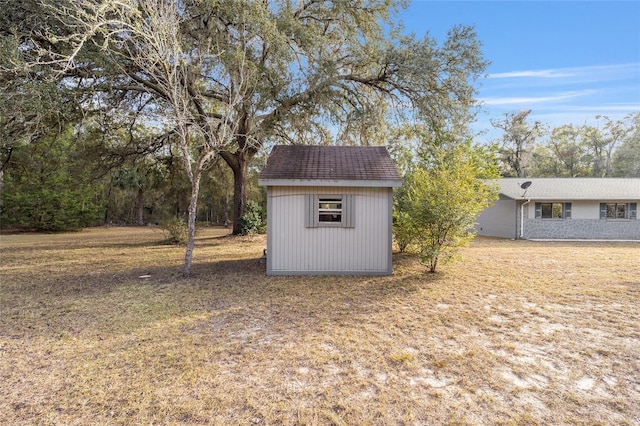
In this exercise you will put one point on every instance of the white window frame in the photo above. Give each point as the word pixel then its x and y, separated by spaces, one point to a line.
pixel 326 210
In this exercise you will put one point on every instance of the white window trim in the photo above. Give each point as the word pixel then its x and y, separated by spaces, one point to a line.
pixel 330 211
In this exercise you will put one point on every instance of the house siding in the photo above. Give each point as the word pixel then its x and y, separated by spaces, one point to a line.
pixel 503 220
pixel 583 224
pixel 579 209
pixel 499 220
pixel 596 229
pixel 293 248
pixel 584 209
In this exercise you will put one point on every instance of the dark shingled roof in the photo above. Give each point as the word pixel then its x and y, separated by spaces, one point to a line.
pixel 330 163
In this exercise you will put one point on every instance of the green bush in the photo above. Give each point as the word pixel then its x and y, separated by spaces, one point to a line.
pixel 252 222
pixel 177 230
pixel 403 230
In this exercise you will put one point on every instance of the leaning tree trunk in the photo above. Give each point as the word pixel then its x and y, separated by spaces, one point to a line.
pixel 191 222
pixel 239 194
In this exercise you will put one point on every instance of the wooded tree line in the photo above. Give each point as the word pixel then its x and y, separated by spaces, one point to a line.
pixel 532 149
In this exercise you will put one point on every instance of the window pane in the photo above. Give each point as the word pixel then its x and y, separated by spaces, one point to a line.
pixel 330 210
pixel 330 217
pixel 546 210
pixel 330 205
pixel 616 211
pixel 557 211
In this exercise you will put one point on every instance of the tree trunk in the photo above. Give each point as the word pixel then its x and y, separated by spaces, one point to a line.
pixel 140 206
pixel 1 187
pixel 239 163
pixel 239 194
pixel 191 222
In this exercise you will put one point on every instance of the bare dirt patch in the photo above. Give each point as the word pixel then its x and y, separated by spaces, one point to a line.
pixel 516 333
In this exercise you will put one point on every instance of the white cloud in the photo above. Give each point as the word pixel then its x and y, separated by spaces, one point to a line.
pixel 559 96
pixel 515 100
pixel 615 71
pixel 532 73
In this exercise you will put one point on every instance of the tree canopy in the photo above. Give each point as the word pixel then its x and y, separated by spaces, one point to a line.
pixel 257 71
pixel 225 78
pixel 534 149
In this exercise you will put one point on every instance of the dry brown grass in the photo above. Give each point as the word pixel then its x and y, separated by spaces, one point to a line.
pixel 516 333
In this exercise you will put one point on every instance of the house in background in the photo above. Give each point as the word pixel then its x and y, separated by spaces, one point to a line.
pixel 329 210
pixel 564 208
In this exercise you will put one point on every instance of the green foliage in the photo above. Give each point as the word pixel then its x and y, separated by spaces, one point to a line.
pixel 622 146
pixel 177 230
pixel 626 161
pixel 518 142
pixel 609 149
pixel 289 82
pixel 403 231
pixel 52 207
pixel 252 222
pixel 44 188
pixel 440 200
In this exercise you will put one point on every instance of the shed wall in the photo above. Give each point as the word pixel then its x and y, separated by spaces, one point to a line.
pixel 293 248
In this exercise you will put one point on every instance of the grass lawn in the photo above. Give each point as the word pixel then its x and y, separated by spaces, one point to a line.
pixel 516 333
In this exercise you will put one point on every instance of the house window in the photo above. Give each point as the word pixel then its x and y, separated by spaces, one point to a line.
pixel 553 211
pixel 330 210
pixel 618 211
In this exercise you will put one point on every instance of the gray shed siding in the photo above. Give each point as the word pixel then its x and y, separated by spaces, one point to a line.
pixel 293 248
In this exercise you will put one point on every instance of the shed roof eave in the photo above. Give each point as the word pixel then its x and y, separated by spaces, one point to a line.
pixel 389 183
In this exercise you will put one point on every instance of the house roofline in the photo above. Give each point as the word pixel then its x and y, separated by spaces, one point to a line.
pixel 569 198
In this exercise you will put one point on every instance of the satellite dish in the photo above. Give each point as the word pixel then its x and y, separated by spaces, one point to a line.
pixel 525 185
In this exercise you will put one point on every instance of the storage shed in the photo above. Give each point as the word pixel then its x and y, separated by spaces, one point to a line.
pixel 329 210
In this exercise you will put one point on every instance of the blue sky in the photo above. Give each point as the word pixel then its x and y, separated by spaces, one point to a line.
pixel 568 61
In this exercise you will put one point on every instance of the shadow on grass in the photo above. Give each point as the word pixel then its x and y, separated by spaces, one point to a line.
pixel 235 293
pixel 84 245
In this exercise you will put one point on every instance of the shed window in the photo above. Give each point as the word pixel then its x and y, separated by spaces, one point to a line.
pixel 330 210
